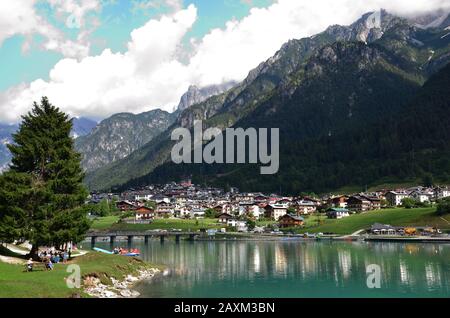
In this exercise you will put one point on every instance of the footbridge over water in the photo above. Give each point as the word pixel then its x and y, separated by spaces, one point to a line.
pixel 130 235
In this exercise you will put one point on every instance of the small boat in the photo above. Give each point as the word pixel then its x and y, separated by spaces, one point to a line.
pixel 131 254
pixel 102 251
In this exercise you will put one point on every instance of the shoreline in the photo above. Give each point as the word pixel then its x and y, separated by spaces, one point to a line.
pixel 93 287
pixel 443 240
pixel 232 237
pixel 100 276
pixel 338 238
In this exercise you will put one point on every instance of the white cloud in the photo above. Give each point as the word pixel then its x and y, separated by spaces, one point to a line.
pixel 150 73
pixel 228 54
pixel 16 17
pixel 21 17
pixel 101 85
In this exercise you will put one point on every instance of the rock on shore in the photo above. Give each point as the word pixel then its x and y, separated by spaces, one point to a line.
pixel 119 289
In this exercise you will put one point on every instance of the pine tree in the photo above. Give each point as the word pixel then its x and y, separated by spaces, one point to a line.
pixel 42 195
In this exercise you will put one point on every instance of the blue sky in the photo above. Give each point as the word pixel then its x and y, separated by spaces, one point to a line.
pixel 117 20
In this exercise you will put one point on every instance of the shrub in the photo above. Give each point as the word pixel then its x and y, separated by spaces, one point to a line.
pixel 251 224
pixel 409 203
pixel 210 213
pixel 443 206
pixel 126 215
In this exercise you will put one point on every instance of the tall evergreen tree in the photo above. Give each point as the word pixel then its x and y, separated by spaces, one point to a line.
pixel 42 195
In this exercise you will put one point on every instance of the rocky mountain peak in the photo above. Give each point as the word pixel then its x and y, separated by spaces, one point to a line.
pixel 371 26
pixel 196 95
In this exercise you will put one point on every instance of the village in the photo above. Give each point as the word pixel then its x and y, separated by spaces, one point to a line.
pixel 242 212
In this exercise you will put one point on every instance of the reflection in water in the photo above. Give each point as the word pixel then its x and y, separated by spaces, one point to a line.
pixel 256 260
pixel 404 276
pixel 433 275
pixel 345 260
pixel 296 269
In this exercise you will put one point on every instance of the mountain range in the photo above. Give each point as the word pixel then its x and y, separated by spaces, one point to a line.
pixel 336 83
pixel 342 99
pixel 121 134
pixel 118 136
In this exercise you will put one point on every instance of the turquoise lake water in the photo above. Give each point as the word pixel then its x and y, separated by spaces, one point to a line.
pixel 295 269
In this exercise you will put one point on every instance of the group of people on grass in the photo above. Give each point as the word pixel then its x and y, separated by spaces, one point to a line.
pixel 122 251
pixel 50 257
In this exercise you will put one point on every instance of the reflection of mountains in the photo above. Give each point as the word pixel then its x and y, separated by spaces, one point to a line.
pixel 402 265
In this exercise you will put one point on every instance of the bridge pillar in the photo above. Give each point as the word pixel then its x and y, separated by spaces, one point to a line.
pixel 177 238
pixel 130 240
pixel 93 240
pixel 161 238
pixel 146 239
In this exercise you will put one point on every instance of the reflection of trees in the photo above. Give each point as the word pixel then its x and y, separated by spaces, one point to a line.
pixel 433 275
pixel 335 264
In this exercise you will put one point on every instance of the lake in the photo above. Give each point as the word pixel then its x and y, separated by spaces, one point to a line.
pixel 214 269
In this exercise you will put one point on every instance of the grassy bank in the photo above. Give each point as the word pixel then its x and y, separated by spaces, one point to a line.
pixel 104 223
pixel 168 224
pixel 16 283
pixel 396 217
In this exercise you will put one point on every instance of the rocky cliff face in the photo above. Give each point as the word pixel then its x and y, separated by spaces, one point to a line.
pixel 196 95
pixel 118 136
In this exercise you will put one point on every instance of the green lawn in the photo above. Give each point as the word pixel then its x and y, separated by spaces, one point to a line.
pixel 168 224
pixel 396 217
pixel 15 283
pixel 110 223
pixel 265 223
pixel 104 223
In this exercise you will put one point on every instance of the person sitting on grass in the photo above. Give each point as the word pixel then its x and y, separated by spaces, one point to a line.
pixel 49 265
pixel 30 265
